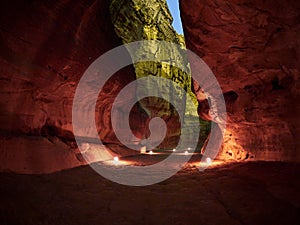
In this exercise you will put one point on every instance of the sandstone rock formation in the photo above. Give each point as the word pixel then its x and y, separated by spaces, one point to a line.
pixel 251 46
pixel 253 49
pixel 45 49
pixel 136 20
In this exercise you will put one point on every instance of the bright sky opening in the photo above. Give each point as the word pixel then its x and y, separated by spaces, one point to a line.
pixel 174 9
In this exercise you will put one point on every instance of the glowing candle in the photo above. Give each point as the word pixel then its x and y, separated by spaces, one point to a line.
pixel 189 148
pixel 186 152
pixel 116 159
pixel 151 152
pixel 174 150
pixel 208 160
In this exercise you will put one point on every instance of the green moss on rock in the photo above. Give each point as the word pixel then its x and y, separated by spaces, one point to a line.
pixel 136 20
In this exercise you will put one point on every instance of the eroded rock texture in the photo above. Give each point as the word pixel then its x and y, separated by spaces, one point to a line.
pixel 136 20
pixel 253 49
pixel 45 47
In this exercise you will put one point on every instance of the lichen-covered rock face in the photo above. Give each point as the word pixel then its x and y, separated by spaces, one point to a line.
pixel 136 20
pixel 45 47
pixel 253 49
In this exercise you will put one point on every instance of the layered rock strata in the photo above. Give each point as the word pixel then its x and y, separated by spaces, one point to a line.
pixel 253 49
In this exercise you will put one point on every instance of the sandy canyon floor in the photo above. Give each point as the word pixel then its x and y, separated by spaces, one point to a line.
pixel 228 194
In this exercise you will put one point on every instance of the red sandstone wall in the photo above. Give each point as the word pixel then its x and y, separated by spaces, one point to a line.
pixel 253 49
pixel 45 46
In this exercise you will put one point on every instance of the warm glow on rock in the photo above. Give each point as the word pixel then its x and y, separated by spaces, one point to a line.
pixel 232 150
pixel 143 150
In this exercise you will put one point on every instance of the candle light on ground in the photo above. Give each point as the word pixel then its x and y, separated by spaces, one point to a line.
pixel 151 152
pixel 174 150
pixel 186 152
pixel 116 159
pixel 208 160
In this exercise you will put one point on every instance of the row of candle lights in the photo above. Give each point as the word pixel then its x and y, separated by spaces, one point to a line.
pixel 208 160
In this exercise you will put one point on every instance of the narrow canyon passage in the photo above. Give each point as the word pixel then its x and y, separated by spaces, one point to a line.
pixel 50 158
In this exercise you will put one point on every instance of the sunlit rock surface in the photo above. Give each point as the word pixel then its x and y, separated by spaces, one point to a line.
pixel 136 20
pixel 253 49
